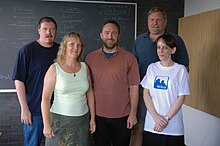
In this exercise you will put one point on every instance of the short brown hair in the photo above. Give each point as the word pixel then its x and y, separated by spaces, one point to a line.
pixel 113 22
pixel 46 19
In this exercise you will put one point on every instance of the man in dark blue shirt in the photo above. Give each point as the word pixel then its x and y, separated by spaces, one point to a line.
pixel 32 62
pixel 145 51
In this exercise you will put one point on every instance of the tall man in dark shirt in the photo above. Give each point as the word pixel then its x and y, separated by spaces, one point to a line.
pixel 32 62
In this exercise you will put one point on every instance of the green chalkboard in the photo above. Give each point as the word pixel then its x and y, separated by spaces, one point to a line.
pixel 19 19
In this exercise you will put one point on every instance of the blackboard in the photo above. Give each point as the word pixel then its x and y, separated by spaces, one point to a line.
pixel 19 19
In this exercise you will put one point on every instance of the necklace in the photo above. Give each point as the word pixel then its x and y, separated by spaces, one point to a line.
pixel 72 68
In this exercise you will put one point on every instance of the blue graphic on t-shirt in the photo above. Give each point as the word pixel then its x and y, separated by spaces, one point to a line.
pixel 161 82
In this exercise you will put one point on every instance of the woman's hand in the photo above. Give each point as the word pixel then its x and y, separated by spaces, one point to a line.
pixel 92 126
pixel 161 123
pixel 48 132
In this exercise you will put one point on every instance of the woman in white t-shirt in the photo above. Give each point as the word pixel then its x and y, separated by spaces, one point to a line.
pixel 166 85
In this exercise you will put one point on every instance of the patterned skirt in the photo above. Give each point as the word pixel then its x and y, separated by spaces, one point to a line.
pixel 69 130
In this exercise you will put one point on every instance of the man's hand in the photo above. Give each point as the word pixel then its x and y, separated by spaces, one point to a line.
pixel 132 120
pixel 26 117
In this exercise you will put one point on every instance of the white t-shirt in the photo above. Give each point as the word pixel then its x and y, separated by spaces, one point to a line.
pixel 165 85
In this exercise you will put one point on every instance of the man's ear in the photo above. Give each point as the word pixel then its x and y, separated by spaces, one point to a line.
pixel 100 34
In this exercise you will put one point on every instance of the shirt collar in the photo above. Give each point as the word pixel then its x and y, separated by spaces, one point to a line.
pixel 100 51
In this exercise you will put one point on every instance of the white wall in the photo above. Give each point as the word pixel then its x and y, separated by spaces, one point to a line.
pixel 198 6
pixel 201 129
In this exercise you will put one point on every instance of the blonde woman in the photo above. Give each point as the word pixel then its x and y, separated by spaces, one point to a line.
pixel 67 121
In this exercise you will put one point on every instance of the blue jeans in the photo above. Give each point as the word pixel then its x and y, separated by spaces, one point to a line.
pixel 33 134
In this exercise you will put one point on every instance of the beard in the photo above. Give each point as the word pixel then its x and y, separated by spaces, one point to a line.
pixel 109 46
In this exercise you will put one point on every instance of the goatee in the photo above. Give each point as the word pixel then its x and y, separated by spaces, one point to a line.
pixel 110 47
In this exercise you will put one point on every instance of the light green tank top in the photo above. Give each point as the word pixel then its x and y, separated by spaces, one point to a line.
pixel 70 92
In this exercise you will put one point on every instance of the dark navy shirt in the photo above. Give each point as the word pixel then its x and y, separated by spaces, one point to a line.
pixel 145 51
pixel 32 63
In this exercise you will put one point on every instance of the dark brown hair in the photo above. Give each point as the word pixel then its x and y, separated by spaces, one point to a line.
pixel 113 22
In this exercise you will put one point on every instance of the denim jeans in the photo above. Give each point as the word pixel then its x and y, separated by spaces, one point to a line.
pixel 33 134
